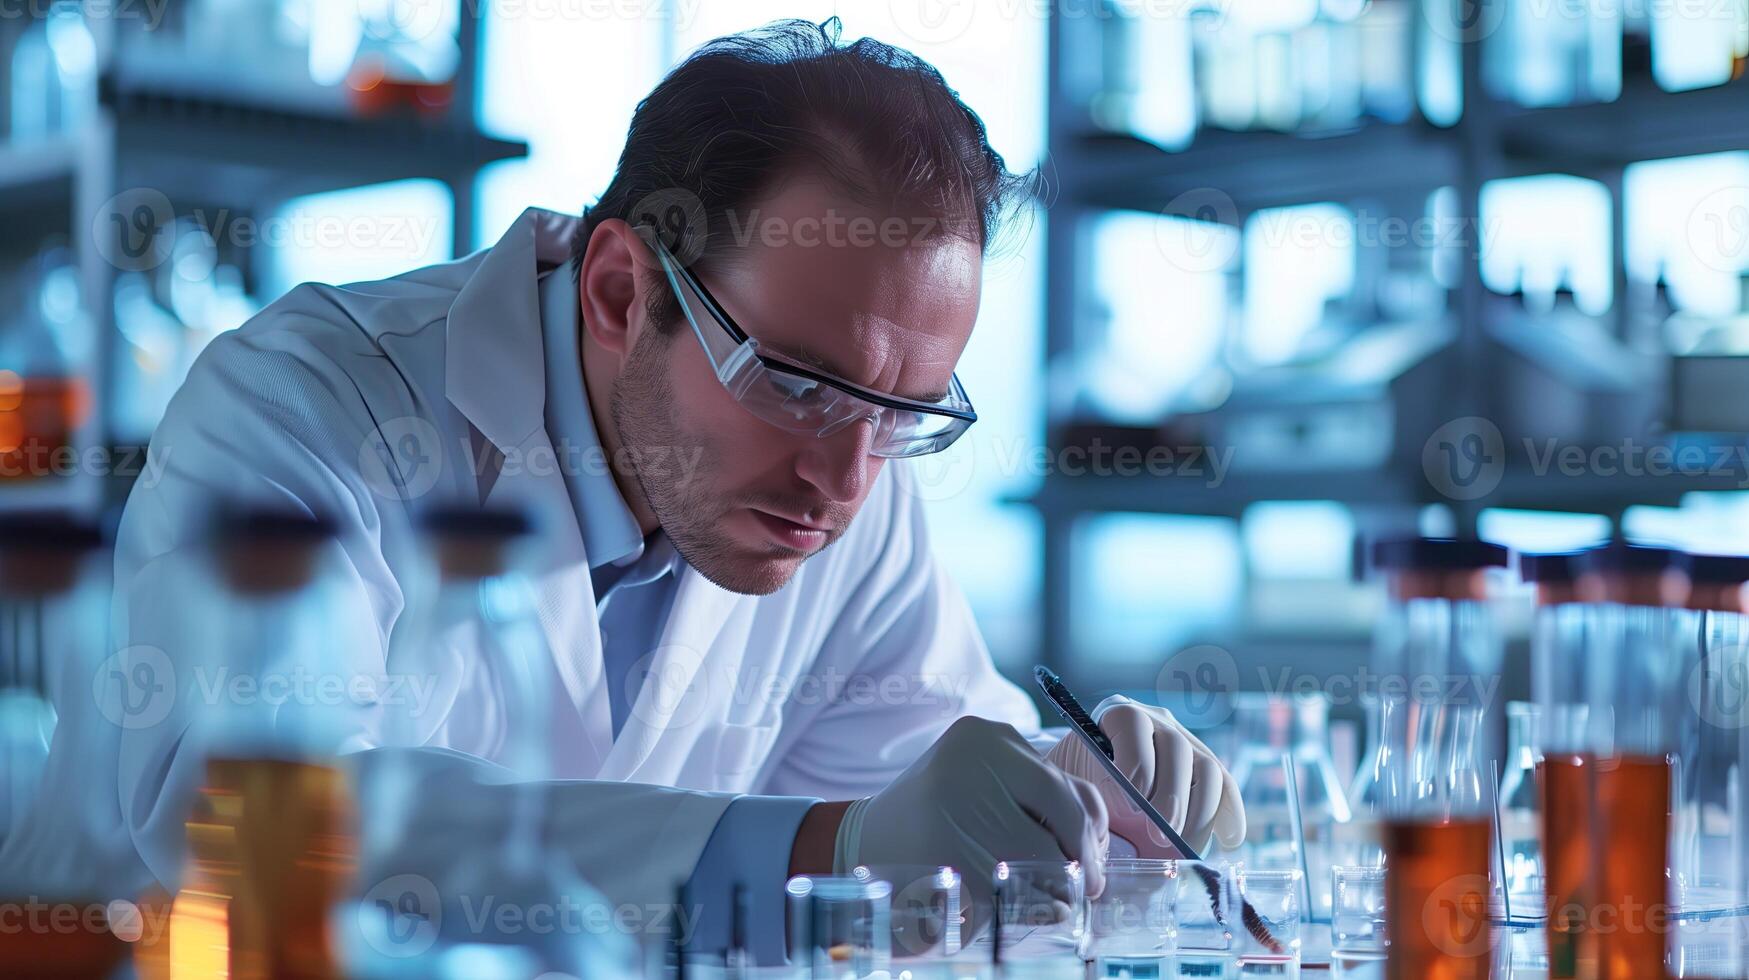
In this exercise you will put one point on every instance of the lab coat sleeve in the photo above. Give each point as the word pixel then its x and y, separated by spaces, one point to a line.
pixel 905 659
pixel 750 848
pixel 267 418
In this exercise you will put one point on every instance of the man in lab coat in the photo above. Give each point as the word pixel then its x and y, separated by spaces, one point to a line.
pixel 706 390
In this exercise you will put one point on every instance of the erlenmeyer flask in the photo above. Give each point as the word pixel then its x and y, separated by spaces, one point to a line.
pixel 1520 811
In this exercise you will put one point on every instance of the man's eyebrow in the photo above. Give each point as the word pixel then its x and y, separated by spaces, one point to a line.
pixel 806 358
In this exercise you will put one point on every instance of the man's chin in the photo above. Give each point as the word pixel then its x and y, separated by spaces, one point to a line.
pixel 751 575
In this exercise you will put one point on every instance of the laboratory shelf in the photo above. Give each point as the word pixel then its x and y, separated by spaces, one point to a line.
pixel 262 153
pixel 1524 489
pixel 33 171
pixel 1646 123
pixel 1256 170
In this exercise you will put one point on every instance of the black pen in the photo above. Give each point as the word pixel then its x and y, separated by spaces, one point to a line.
pixel 1082 724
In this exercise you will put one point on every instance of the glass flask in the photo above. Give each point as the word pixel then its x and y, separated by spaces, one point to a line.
pixel 1711 772
pixel 1521 809
pixel 44 338
pixel 1359 842
pixel 1642 645
pixel 1272 728
pixel 1438 650
pixel 475 623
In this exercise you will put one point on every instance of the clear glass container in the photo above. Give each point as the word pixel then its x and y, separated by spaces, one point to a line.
pixel 1710 774
pixel 1439 651
pixel 1361 840
pixel 933 919
pixel 1357 920
pixel 1276 896
pixel 1272 728
pixel 1205 920
pixel 1040 912
pixel 1131 921
pixel 839 926
pixel 1521 809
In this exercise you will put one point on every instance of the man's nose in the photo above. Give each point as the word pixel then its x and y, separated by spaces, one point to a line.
pixel 837 465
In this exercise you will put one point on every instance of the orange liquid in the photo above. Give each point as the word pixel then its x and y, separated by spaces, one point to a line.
pixel 38 417
pixel 1437 894
pixel 1564 782
pixel 1632 917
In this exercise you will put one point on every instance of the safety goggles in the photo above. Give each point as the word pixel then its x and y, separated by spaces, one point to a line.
pixel 797 399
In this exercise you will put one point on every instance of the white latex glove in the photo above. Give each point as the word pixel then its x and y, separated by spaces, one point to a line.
pixel 1172 768
pixel 979 795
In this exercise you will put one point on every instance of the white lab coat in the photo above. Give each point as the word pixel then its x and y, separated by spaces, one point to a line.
pixel 294 409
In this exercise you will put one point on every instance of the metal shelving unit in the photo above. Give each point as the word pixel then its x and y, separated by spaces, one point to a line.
pixel 215 147
pixel 1385 166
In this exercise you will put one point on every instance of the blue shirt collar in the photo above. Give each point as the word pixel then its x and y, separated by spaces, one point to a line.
pixel 610 531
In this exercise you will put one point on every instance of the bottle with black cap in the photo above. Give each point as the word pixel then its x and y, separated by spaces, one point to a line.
pixel 271 836
pixel 472 630
pixel 53 608
pixel 1641 643
pixel 48 616
pixel 1559 659
pixel 1710 784
pixel 1439 652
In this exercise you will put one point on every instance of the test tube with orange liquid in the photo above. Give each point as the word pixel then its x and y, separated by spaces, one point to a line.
pixel 1438 646
pixel 1641 644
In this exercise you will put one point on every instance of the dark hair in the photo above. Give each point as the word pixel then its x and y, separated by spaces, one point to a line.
pixel 746 109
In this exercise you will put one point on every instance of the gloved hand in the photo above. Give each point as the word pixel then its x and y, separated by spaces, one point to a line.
pixel 979 795
pixel 1172 768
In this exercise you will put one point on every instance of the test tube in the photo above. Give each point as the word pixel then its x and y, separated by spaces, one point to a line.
pixel 1639 652
pixel 1439 650
pixel 1559 660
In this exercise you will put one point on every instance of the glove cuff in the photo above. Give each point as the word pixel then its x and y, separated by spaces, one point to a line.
pixel 849 840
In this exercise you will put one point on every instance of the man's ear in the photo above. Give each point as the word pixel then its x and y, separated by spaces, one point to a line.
pixel 608 285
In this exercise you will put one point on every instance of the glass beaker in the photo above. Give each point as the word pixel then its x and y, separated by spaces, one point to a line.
pixel 1357 919
pixel 1276 897
pixel 839 925
pixel 1439 650
pixel 1130 926
pixel 1040 912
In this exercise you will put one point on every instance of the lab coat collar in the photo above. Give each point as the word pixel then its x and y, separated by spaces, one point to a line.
pixel 610 531
pixel 494 373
